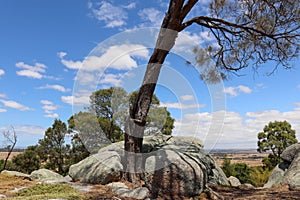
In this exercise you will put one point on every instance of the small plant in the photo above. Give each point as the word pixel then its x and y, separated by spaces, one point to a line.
pixel 46 191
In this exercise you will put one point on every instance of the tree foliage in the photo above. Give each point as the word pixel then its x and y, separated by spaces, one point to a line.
pixel 52 148
pixel 256 175
pixel 90 130
pixel 51 152
pixel 110 106
pixel 251 32
pixel 275 137
pixel 27 161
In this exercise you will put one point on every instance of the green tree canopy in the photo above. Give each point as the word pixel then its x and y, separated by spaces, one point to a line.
pixel 27 161
pixel 52 148
pixel 106 116
pixel 275 137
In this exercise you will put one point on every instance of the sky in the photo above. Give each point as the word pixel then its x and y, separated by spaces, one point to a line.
pixel 54 54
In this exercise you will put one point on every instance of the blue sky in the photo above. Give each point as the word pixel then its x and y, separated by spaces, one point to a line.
pixel 54 53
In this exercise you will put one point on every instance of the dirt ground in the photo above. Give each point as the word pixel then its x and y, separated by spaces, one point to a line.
pixel 277 193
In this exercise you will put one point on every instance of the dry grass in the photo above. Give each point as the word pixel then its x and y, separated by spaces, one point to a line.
pixel 9 183
pixel 251 159
pixel 4 154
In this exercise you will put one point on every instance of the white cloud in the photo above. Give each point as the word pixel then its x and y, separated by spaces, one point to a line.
pixel 232 130
pixel 2 95
pixel 55 87
pixel 206 36
pixel 181 106
pixel 244 89
pixel 235 91
pixel 15 105
pixel 52 115
pixel 3 110
pixel 69 63
pixel 111 79
pixel 130 6
pixel 186 41
pixel 2 72
pixel 152 16
pixel 112 16
pixel 187 97
pixel 46 102
pixel 119 57
pixel 77 99
pixel 49 109
pixel 30 129
pixel 35 72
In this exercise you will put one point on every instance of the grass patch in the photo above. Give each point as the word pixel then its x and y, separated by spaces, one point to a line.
pixel 51 191
pixel 8 183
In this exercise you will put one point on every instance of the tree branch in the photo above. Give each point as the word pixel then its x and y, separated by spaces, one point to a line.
pixel 187 8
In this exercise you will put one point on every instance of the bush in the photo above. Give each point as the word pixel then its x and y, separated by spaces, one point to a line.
pixel 27 161
pixel 8 165
pixel 259 176
pixel 256 176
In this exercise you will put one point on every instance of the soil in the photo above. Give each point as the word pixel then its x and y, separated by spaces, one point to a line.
pixel 277 193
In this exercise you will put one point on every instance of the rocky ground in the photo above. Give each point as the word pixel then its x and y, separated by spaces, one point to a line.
pixel 97 192
pixel 276 193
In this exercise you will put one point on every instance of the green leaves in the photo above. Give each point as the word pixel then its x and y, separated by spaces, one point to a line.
pixel 276 137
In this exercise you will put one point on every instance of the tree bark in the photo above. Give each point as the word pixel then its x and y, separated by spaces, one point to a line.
pixel 13 141
pixel 135 126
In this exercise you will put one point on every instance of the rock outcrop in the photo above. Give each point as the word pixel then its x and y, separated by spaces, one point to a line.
pixel 174 166
pixel 15 173
pixel 287 172
pixel 45 175
pixel 124 191
pixel 102 168
pixel 233 181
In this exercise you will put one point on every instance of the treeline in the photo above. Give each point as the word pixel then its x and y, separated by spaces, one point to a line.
pixel 85 132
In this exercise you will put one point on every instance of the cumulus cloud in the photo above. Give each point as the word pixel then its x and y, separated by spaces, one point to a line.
pixel 69 63
pixel 151 17
pixel 111 79
pixel 111 15
pixel 177 105
pixel 186 41
pixel 30 129
pixel 130 6
pixel 55 87
pixel 49 109
pixel 231 129
pixel 80 98
pixel 36 71
pixel 119 57
pixel 2 72
pixel 15 105
pixel 187 97
pixel 235 91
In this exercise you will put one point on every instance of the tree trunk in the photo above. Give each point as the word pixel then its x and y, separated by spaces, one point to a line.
pixel 135 126
pixel 11 148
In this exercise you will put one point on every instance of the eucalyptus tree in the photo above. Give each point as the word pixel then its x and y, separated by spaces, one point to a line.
pixel 247 33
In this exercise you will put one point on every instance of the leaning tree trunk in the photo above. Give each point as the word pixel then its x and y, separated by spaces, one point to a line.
pixel 134 130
